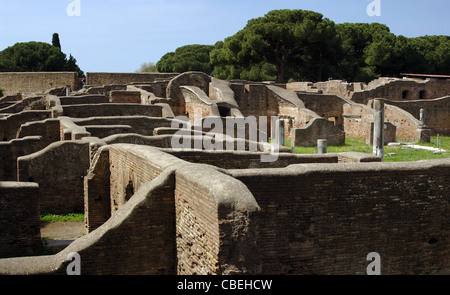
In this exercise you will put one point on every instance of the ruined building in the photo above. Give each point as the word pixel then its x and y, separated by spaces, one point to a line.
pixel 110 149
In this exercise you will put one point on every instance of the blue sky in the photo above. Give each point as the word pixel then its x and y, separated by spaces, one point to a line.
pixel 119 35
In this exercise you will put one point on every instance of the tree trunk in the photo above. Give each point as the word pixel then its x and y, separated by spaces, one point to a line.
pixel 281 72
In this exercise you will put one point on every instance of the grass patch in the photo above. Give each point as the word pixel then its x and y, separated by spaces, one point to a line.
pixel 71 217
pixel 399 153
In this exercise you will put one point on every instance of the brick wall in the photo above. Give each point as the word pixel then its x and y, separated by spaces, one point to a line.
pixel 28 83
pixel 326 106
pixel 403 89
pixel 326 220
pixel 203 212
pixel 303 219
pixel 407 126
pixel 10 125
pixel 437 112
pixel 48 129
pixel 197 229
pixel 59 170
pixel 212 211
pixel 246 160
pixel 19 219
pixel 110 109
pixel 101 79
pixel 11 150
pixel 125 96
pixel 83 99
pixel 97 200
pixel 318 128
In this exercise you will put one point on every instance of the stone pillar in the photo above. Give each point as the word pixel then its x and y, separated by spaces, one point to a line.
pixel 322 146
pixel 273 127
pixel 68 90
pixel 378 128
pixel 280 132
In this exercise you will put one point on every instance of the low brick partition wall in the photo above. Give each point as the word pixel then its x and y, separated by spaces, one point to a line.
pixel 437 112
pixel 31 82
pixel 19 219
pixel 246 160
pixel 326 219
pixel 59 170
pixel 83 99
pixel 10 125
pixel 125 96
pixel 49 130
pixel 11 150
pixel 111 109
pixel 170 216
pixel 104 78
pixel 143 125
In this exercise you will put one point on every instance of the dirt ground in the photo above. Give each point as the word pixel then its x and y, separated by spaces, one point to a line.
pixel 62 230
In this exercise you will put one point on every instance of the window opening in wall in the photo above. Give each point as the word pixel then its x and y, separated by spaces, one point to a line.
pixel 129 191
pixel 433 241
pixel 334 120
pixel 405 94
pixel 224 112
pixel 421 94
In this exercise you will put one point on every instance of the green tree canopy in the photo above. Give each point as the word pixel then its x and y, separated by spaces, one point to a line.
pixel 147 67
pixel 303 45
pixel 32 57
pixel 432 54
pixel 187 58
pixel 71 66
pixel 355 39
pixel 371 51
pixel 55 40
pixel 294 43
pixel 37 57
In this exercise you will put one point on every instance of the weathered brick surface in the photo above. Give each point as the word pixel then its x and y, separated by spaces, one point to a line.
pixel 245 160
pixel 322 218
pixel 10 125
pixel 59 170
pixel 19 219
pixel 97 201
pixel 48 129
pixel 83 99
pixel 326 220
pixel 101 79
pixel 125 96
pixel 11 150
pixel 198 240
pixel 111 109
pixel 437 112
pixel 28 83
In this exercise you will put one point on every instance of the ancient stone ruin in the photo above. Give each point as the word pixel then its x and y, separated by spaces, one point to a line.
pixel 111 149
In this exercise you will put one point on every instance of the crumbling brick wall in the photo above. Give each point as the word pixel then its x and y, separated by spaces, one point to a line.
pixel 322 219
pixel 19 219
pixel 28 83
pixel 10 125
pixel 11 150
pixel 110 109
pixel 437 112
pixel 402 89
pixel 302 219
pixel 59 170
pixel 101 79
pixel 48 129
